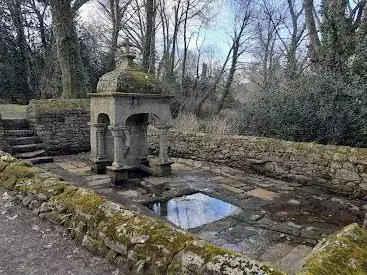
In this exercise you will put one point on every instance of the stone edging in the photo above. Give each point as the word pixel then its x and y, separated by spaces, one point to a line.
pixel 138 244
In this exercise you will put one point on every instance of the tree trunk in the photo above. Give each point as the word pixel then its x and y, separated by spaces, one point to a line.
pixel 149 33
pixel 17 18
pixel 314 41
pixel 229 80
pixel 185 49
pixel 68 52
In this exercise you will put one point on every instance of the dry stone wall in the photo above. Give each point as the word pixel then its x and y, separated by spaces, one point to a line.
pixel 342 170
pixel 2 135
pixel 136 243
pixel 62 125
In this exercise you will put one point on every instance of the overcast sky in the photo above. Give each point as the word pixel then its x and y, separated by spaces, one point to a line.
pixel 214 34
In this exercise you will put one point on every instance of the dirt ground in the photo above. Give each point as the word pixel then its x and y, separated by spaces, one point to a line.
pixel 29 245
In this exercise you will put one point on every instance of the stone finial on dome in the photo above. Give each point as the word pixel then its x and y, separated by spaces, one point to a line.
pixel 128 57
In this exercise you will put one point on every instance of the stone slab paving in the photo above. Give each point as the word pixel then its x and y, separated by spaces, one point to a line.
pixel 279 221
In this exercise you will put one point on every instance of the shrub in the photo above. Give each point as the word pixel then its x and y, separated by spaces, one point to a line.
pixel 324 108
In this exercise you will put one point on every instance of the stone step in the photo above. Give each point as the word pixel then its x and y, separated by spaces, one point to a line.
pixel 23 140
pixel 26 148
pixel 19 133
pixel 15 124
pixel 40 160
pixel 30 155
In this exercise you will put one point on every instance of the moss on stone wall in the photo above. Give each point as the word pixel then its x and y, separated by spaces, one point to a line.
pixel 56 105
pixel 339 169
pixel 342 253
pixel 138 244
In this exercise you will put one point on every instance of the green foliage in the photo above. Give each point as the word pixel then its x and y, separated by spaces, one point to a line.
pixel 323 107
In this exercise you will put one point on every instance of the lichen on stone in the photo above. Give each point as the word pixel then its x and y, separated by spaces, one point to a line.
pixel 52 105
pixel 344 252
pixel 77 198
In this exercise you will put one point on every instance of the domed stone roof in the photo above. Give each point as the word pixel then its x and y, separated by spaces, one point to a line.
pixel 127 79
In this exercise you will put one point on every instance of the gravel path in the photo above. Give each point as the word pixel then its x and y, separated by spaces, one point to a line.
pixel 29 245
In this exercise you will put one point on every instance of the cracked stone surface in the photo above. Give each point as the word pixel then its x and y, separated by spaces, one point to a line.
pixel 279 223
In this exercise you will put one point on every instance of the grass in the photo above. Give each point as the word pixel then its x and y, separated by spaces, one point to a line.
pixel 13 111
pixel 217 124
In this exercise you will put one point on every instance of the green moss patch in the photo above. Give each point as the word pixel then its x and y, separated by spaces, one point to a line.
pixel 13 173
pixel 79 199
pixel 342 253
pixel 49 105
pixel 142 78
pixel 49 187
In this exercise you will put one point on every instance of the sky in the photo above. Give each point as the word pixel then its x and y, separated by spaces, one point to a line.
pixel 213 35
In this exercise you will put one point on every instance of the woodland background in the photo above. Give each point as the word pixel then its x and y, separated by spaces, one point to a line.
pixel 292 69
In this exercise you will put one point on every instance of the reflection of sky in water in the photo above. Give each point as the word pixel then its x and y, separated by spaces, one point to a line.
pixel 193 210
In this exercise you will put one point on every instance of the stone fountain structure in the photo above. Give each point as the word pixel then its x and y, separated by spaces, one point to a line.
pixel 120 110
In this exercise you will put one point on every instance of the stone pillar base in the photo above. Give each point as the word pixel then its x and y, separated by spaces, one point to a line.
pixel 99 166
pixel 161 169
pixel 119 176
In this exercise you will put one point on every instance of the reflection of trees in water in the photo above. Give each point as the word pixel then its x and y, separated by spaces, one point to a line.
pixel 194 210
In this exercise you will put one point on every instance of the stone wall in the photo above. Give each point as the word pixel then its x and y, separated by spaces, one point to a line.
pixel 136 243
pixel 63 127
pixel 61 124
pixel 340 169
pixel 2 134
pixel 344 252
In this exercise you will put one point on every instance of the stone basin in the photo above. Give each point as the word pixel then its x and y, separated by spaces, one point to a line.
pixel 193 210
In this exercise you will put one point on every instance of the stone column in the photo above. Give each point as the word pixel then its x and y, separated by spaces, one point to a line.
pixel 98 148
pixel 118 171
pixel 162 167
pixel 100 135
pixel 119 145
pixel 163 142
pixel 143 141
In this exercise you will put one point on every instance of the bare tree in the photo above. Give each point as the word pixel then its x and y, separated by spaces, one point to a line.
pixel 63 14
pixel 15 8
pixel 290 29
pixel 239 45
pixel 149 34
pixel 314 41
pixel 115 11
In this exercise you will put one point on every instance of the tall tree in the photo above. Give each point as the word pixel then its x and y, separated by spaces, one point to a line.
pixel 149 35
pixel 15 8
pixel 68 52
pixel 115 11
pixel 243 13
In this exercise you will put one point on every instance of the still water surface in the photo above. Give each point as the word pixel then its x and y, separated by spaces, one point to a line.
pixel 193 210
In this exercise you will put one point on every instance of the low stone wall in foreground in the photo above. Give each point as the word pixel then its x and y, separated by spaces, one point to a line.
pixel 147 245
pixel 340 169
pixel 61 124
pixel 137 244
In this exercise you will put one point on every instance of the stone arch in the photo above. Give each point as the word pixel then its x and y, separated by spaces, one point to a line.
pixel 103 118
pixel 137 126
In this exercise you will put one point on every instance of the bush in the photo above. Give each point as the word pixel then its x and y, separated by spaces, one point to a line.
pixel 323 108
pixel 218 125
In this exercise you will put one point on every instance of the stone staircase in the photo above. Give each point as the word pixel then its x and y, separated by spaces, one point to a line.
pixel 23 143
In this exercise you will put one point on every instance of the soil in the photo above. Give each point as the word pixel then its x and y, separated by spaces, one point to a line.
pixel 29 245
